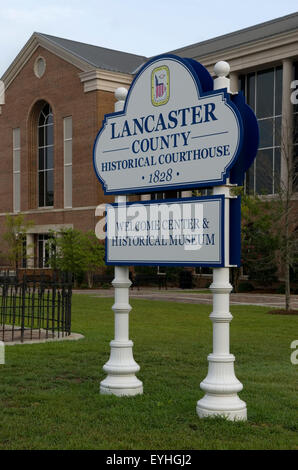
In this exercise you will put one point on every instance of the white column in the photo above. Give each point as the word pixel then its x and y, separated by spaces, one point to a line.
pixel 234 82
pixel 221 385
pixel 30 250
pixel 121 367
pixel 287 122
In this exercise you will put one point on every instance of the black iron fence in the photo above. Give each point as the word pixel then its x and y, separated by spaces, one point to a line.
pixel 34 309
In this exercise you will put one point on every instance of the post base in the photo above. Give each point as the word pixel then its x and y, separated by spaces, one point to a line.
pixel 227 406
pixel 121 386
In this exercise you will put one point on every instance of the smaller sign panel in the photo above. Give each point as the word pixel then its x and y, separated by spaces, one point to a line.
pixel 187 232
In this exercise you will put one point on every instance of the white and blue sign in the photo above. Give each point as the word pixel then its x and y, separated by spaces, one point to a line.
pixel 175 132
pixel 187 232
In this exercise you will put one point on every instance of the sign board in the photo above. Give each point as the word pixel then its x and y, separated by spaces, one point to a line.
pixel 187 232
pixel 175 132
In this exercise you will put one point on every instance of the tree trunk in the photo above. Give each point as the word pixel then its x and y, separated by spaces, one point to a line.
pixel 287 274
pixel 235 278
pixel 90 279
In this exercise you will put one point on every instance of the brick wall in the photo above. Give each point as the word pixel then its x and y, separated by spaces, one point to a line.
pixel 61 87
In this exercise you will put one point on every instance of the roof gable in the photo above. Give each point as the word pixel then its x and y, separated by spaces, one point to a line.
pixel 83 56
pixel 99 57
pixel 88 57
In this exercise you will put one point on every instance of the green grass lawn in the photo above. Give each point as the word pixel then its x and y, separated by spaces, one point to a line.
pixel 49 393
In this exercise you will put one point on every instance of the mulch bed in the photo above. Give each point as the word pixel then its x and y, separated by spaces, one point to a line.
pixel 7 335
pixel 283 312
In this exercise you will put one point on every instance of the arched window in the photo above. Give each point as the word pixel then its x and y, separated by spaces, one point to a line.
pixel 46 157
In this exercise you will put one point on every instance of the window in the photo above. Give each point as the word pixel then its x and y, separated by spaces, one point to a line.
pixel 263 91
pixel 39 67
pixel 166 195
pixel 16 170
pixel 46 157
pixel 67 132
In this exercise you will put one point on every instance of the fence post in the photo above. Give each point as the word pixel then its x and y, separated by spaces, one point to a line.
pixel 221 385
pixel 121 367
pixel 23 290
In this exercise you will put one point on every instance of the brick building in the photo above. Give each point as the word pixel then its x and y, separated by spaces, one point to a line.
pixel 57 92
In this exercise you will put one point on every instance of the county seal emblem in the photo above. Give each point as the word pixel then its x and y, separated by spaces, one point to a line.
pixel 160 86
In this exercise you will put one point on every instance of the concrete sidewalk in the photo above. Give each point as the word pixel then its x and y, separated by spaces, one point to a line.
pixel 196 297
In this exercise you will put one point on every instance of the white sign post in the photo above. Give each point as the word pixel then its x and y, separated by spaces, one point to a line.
pixel 121 367
pixel 221 385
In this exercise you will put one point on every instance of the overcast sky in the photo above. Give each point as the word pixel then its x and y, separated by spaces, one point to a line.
pixel 141 27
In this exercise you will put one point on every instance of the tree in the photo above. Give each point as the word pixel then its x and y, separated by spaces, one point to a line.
pixel 281 233
pixel 73 251
pixel 259 239
pixel 94 255
pixel 66 252
pixel 285 209
pixel 14 236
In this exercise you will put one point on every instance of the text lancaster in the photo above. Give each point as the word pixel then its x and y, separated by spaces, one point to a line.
pixel 168 158
pixel 175 118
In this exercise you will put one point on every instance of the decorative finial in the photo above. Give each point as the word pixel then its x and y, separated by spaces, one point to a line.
pixel 221 68
pixel 121 94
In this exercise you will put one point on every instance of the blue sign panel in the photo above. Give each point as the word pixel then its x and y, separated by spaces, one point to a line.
pixel 250 140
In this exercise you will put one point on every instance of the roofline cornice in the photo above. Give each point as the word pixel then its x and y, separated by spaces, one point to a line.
pixel 240 33
pixel 103 80
pixel 248 54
